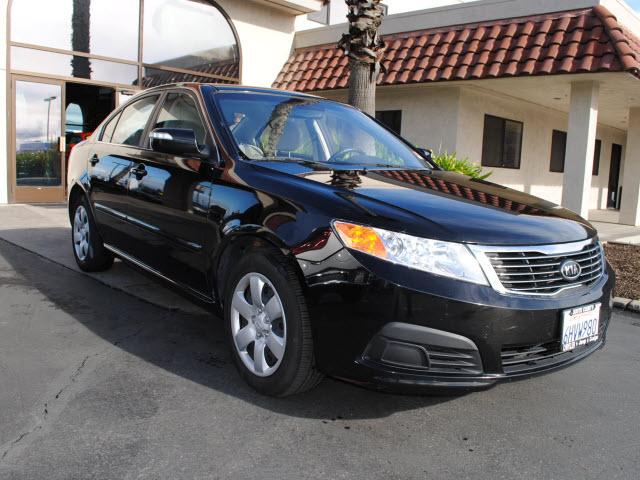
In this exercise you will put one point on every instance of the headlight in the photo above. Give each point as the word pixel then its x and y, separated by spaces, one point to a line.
pixel 448 259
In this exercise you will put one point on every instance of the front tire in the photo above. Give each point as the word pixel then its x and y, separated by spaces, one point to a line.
pixel 88 248
pixel 268 325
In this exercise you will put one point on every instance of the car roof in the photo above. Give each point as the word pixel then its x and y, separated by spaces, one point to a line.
pixel 231 88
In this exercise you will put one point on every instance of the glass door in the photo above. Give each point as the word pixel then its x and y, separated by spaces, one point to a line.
pixel 38 144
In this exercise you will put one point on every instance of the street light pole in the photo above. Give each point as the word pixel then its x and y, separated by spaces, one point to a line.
pixel 48 100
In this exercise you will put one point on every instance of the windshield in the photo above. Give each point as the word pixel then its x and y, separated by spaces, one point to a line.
pixel 280 128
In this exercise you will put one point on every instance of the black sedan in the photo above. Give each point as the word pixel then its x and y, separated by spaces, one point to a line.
pixel 332 246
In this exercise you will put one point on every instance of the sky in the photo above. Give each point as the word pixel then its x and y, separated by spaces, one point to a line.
pixel 399 6
pixel 635 4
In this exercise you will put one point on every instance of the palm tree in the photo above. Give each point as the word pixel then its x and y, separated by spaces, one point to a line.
pixel 365 49
pixel 80 37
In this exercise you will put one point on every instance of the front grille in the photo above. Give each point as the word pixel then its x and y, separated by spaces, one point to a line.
pixel 537 273
pixel 515 359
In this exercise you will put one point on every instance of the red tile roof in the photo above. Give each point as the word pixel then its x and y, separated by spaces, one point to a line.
pixel 579 41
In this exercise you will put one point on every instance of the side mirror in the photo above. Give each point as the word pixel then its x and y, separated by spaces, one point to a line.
pixel 426 153
pixel 177 141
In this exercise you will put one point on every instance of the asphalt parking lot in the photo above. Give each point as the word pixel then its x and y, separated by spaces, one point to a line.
pixel 95 383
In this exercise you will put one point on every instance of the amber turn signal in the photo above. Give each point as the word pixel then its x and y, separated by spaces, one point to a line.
pixel 361 238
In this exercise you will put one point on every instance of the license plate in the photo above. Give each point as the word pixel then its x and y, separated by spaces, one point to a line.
pixel 580 326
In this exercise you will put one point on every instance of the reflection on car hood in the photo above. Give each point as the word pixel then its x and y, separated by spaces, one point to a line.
pixel 453 206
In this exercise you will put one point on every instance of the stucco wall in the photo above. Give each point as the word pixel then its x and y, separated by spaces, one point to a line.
pixel 533 176
pixel 266 37
pixel 452 119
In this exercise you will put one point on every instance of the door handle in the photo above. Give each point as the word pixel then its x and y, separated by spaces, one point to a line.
pixel 139 171
pixel 94 160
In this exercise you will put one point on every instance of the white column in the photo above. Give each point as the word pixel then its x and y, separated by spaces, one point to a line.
pixel 581 138
pixel 4 111
pixel 630 204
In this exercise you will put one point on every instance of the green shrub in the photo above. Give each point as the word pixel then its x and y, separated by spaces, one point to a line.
pixel 451 162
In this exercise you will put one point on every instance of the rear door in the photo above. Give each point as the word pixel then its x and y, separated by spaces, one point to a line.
pixel 115 154
pixel 169 199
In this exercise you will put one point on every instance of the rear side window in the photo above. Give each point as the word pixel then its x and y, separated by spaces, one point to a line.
pixel 107 133
pixel 133 121
pixel 180 111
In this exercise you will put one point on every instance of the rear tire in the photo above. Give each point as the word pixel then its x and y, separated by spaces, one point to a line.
pixel 88 248
pixel 268 325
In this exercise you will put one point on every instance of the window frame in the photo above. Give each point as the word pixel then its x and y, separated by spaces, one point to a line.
pixel 138 62
pixel 518 164
pixel 161 104
pixel 210 137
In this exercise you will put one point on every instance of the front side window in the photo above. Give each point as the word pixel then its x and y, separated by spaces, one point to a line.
pixel 133 121
pixel 180 111
pixel 277 127
pixel 502 142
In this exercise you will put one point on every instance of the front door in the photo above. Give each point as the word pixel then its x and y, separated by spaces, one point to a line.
pixel 38 143
pixel 613 196
pixel 169 200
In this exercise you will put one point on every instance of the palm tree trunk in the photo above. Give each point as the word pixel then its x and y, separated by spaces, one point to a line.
pixel 80 37
pixel 365 49
pixel 362 87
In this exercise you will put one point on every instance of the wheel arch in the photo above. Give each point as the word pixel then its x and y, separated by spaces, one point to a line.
pixel 238 243
pixel 75 192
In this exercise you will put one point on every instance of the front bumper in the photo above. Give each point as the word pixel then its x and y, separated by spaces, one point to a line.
pixel 392 328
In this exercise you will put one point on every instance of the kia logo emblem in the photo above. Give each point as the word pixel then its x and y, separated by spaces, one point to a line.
pixel 570 269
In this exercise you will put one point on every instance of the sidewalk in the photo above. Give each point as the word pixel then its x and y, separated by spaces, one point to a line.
pixel 45 230
pixel 614 232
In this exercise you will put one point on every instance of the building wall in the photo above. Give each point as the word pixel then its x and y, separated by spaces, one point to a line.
pixel 429 115
pixel 533 176
pixel 266 36
pixel 451 119
pixel 4 107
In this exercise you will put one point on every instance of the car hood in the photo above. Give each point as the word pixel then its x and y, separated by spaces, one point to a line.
pixel 449 206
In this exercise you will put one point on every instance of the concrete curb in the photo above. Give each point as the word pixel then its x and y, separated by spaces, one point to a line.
pixel 627 304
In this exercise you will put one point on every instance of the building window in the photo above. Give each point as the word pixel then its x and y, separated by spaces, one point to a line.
pixel 391 118
pixel 559 151
pixel 322 16
pixel 596 158
pixel 98 40
pixel 502 142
